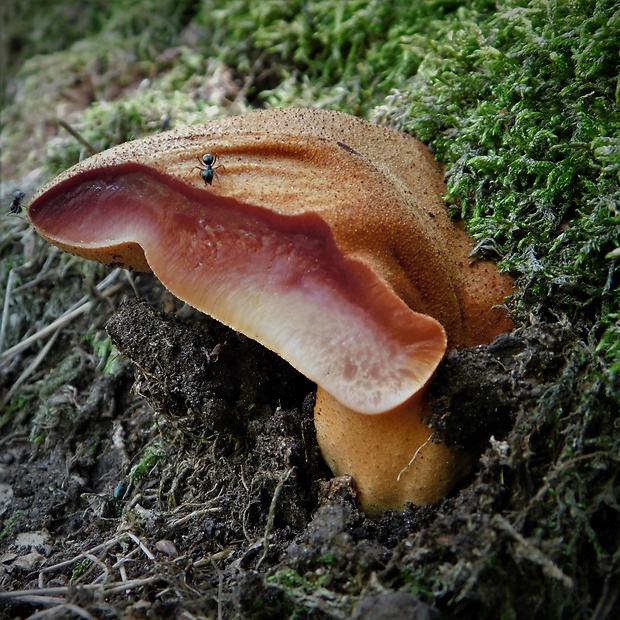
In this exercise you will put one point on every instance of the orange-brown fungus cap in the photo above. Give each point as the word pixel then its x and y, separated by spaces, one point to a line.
pixel 322 236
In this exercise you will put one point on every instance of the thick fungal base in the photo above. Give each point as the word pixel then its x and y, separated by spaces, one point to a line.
pixel 395 456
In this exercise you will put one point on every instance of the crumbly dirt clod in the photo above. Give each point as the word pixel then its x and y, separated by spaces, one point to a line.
pixel 242 415
pixel 478 391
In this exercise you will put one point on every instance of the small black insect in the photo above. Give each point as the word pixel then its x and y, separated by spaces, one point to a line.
pixel 208 171
pixel 16 204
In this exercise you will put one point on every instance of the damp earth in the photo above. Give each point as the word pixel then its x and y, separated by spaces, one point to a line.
pixel 172 471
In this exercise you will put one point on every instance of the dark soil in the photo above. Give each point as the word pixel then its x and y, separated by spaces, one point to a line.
pixel 184 480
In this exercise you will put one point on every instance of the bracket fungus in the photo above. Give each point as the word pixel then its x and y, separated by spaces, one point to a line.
pixel 323 237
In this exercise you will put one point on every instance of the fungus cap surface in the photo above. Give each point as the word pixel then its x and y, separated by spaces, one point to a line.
pixel 322 236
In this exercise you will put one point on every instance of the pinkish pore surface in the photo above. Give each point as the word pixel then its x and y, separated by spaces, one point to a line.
pixel 279 279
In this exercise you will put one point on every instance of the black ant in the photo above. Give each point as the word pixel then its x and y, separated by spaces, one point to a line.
pixel 208 171
pixel 16 204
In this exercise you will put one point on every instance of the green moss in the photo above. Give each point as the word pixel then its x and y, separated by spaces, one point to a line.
pixel 9 525
pixel 14 407
pixel 106 352
pixel 153 454
pixel 289 578
pixel 523 108
pixel 81 567
pixel 347 53
pixel 417 583
pixel 33 28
